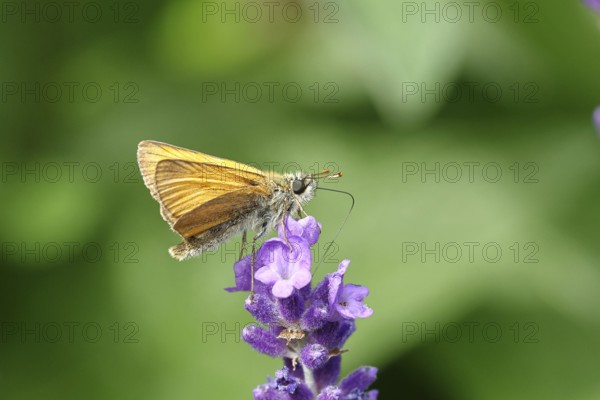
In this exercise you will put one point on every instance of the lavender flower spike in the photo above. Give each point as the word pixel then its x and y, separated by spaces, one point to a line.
pixel 306 327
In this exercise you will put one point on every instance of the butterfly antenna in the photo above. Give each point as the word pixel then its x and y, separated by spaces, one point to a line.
pixel 325 174
pixel 341 226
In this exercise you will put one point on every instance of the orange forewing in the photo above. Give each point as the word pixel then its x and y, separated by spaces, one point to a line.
pixel 197 191
pixel 150 153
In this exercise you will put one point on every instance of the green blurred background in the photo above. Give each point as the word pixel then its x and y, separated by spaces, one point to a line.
pixel 93 307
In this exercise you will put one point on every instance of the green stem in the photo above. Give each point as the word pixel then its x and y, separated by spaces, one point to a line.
pixel 309 379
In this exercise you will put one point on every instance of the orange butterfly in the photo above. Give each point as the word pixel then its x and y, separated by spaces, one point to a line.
pixel 207 200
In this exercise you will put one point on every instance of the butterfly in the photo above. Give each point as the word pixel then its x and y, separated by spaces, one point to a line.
pixel 207 199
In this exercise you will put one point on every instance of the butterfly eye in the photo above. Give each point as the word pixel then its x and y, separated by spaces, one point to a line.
pixel 298 186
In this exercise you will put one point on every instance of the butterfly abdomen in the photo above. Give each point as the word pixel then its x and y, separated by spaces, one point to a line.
pixel 214 237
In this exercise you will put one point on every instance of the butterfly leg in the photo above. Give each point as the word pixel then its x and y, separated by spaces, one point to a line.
pixel 301 210
pixel 252 266
pixel 285 234
pixel 289 211
pixel 252 259
pixel 244 243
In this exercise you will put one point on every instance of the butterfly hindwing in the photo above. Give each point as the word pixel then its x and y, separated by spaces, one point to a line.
pixel 182 185
pixel 220 210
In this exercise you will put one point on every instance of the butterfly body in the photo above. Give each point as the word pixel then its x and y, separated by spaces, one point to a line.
pixel 207 200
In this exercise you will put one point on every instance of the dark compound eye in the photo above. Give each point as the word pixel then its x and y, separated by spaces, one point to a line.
pixel 298 186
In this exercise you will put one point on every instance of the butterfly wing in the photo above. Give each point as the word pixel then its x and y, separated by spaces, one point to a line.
pixel 217 211
pixel 197 191
pixel 151 152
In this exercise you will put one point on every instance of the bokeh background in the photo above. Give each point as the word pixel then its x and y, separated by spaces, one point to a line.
pixel 406 102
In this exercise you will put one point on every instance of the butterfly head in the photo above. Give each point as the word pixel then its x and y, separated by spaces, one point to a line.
pixel 302 186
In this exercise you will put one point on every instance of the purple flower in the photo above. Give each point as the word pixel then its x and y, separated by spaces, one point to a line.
pixel 314 355
pixel 328 374
pixel 307 228
pixel 306 327
pixel 264 341
pixel 593 4
pixel 285 266
pixel 242 275
pixel 353 387
pixel 315 316
pixel 262 308
pixel 360 379
pixel 283 382
pixel 334 334
pixel 347 300
pixel 284 387
pixel 243 278
pixel 291 308
pixel 330 393
pixel 288 387
pixel 350 304
pixel 596 115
